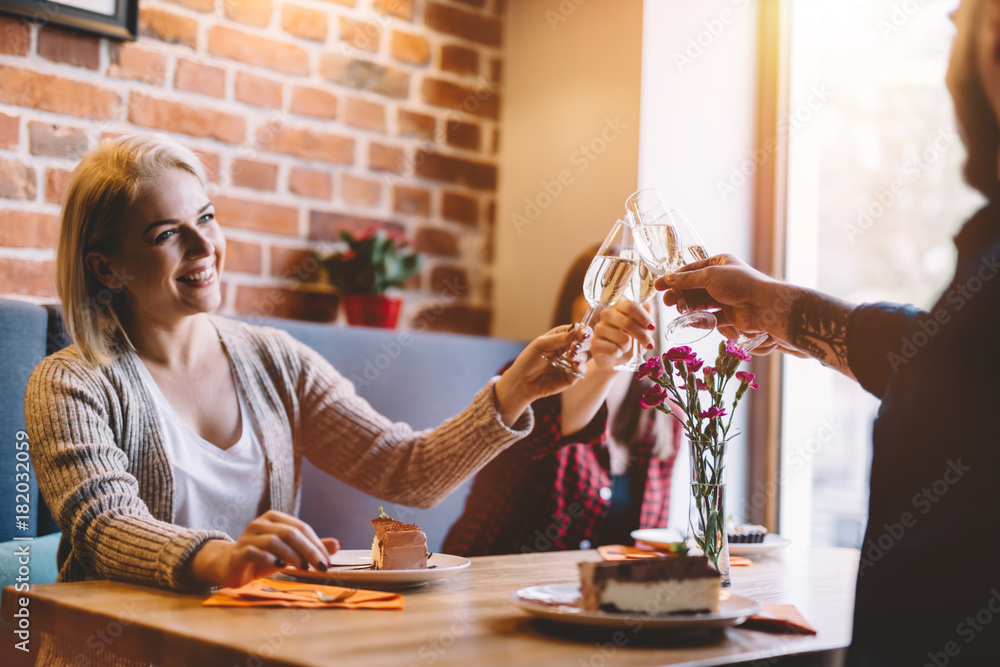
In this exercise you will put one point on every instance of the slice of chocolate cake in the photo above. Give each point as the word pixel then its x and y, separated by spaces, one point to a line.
pixel 651 585
pixel 398 546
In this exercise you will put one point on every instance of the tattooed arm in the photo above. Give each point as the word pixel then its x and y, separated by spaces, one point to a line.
pixel 801 320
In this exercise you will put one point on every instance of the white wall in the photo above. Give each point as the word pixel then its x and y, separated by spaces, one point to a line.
pixel 571 80
pixel 697 125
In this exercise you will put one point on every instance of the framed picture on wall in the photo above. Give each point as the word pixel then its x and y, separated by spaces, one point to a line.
pixel 111 18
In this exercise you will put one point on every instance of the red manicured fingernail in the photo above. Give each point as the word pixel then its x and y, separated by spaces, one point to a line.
pixel 279 563
pixel 649 346
pixel 323 567
pixel 651 327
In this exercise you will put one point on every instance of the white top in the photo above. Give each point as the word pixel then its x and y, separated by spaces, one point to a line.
pixel 214 489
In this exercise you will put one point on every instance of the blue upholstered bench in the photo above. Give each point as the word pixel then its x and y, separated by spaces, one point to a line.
pixel 420 378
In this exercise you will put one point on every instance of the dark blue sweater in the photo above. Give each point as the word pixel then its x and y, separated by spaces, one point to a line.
pixel 928 589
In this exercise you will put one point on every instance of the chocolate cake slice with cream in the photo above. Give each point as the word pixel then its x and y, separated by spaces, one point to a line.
pixel 651 585
pixel 398 545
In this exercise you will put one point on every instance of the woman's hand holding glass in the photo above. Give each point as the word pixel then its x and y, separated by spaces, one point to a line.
pixel 269 543
pixel 620 332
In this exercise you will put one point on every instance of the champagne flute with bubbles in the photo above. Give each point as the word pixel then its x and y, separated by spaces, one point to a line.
pixel 608 279
pixel 666 241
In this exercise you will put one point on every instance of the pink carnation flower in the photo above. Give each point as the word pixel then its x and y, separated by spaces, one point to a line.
pixel 653 396
pixel 712 413
pixel 736 351
pixel 650 368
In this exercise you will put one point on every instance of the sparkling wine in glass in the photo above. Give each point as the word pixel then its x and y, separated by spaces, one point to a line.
pixel 607 281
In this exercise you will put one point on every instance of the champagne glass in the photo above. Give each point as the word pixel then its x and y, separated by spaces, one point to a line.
pixel 607 279
pixel 666 241
pixel 694 326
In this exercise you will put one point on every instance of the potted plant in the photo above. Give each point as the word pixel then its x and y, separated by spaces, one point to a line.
pixel 373 263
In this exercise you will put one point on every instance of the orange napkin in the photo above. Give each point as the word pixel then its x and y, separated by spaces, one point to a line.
pixel 622 552
pixel 253 595
pixel 782 618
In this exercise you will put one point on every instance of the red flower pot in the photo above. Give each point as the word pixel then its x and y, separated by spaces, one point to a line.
pixel 372 310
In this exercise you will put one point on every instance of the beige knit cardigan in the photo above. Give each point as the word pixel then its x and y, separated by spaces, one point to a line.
pixel 102 469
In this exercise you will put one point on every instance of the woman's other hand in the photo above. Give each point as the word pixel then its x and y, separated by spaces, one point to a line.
pixel 269 543
pixel 531 377
pixel 618 327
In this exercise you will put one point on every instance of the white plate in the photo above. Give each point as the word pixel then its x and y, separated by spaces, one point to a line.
pixel 439 566
pixel 561 602
pixel 661 538
pixel 770 544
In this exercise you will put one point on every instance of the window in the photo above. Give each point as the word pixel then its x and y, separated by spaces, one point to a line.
pixel 874 197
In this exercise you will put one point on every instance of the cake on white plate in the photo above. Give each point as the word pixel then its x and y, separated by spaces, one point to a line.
pixel 668 585
pixel 398 545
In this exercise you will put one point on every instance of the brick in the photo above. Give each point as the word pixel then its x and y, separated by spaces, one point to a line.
pixel 45 92
pixel 254 174
pixel 297 264
pixel 69 47
pixel 496 70
pixel 364 35
pixel 17 181
pixel 279 56
pixel 16 36
pixel 409 48
pixel 251 12
pixel 307 144
pixel 437 242
pixel 257 216
pixel 28 229
pixel 454 319
pixel 197 5
pixel 386 158
pixel 480 102
pixel 326 226
pixel 212 163
pixel 244 257
pixel 286 303
pixel 27 277
pixel 440 167
pixel 459 59
pixel 452 21
pixel 310 183
pixel 185 119
pixel 459 208
pixel 401 8
pixel 444 279
pixel 168 27
pixel 195 77
pixel 500 7
pixel 495 145
pixel 10 132
pixel 56 182
pixel 50 140
pixel 364 114
pixel 129 61
pixel 360 191
pixel 410 200
pixel 414 124
pixel 258 91
pixel 365 75
pixel 304 23
pixel 313 102
pixel 463 135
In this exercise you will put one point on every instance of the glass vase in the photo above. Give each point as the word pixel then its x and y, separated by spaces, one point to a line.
pixel 707 515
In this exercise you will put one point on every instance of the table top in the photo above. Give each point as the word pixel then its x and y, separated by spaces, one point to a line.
pixel 467 619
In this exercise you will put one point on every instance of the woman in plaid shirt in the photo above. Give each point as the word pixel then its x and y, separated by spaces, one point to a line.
pixel 595 467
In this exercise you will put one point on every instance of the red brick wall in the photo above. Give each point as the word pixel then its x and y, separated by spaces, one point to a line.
pixel 311 116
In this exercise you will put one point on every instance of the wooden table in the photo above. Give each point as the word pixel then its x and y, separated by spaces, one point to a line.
pixel 465 620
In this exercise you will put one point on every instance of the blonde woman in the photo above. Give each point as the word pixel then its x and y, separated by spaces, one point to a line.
pixel 161 414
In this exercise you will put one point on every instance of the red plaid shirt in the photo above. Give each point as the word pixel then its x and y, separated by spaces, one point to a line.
pixel 544 492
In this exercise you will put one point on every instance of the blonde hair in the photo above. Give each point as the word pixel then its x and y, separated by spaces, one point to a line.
pixel 101 193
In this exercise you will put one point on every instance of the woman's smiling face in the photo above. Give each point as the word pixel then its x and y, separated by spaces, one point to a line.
pixel 171 251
